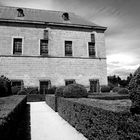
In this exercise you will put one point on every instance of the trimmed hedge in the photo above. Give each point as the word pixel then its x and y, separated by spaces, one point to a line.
pixel 105 89
pixel 75 91
pixel 35 97
pixel 59 91
pixel 95 121
pixel 51 90
pixel 116 89
pixel 11 108
pixel 123 91
pixel 51 100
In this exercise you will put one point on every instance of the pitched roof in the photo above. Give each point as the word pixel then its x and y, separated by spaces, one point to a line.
pixel 46 16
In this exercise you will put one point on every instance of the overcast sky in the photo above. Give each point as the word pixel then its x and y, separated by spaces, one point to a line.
pixel 122 17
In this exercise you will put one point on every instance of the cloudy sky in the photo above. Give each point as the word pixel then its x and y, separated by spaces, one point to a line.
pixel 122 17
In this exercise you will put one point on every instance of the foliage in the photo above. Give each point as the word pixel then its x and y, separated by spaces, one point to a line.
pixel 134 91
pixel 59 91
pixel 75 91
pixel 105 89
pixel 116 89
pixel 123 91
pixel 22 92
pixel 31 90
pixel 51 90
pixel 5 86
pixel 15 89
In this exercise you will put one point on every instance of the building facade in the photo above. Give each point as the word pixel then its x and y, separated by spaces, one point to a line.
pixel 40 48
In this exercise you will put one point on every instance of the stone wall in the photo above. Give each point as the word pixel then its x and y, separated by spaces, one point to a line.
pixel 31 67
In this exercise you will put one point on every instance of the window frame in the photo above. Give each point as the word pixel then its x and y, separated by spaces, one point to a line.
pixel 92 56
pixel 44 54
pixel 17 80
pixel 67 55
pixel 22 44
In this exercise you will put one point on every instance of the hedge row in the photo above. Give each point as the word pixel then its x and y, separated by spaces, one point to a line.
pixel 11 108
pixel 97 120
pixel 51 100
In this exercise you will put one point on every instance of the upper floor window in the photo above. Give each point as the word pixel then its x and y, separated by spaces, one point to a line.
pixel 20 12
pixel 43 47
pixel 17 45
pixel 91 48
pixel 93 38
pixel 68 48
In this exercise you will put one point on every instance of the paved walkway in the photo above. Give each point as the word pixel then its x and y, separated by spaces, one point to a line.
pixel 48 125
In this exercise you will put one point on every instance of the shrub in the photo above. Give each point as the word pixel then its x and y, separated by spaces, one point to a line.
pixel 116 89
pixel 59 91
pixel 51 90
pixel 75 91
pixel 123 91
pixel 105 89
pixel 5 86
pixel 22 92
pixel 31 90
pixel 15 89
pixel 134 91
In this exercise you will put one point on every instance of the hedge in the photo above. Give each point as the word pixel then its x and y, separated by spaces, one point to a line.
pixel 11 108
pixel 51 100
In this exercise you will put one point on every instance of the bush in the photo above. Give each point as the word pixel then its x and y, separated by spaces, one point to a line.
pixel 15 89
pixel 51 90
pixel 59 91
pixel 22 92
pixel 134 91
pixel 75 91
pixel 116 89
pixel 31 90
pixel 123 91
pixel 5 86
pixel 105 89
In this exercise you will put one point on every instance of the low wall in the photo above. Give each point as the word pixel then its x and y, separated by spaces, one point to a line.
pixel 11 108
pixel 98 119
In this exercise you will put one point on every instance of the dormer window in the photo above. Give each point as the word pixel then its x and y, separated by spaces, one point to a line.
pixel 20 12
pixel 65 16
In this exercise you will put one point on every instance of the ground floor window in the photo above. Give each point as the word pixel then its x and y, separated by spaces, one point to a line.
pixel 70 81
pixel 18 83
pixel 44 86
pixel 94 85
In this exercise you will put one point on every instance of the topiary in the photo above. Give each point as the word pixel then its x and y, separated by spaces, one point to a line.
pixel 75 91
pixel 51 90
pixel 105 88
pixel 22 92
pixel 116 89
pixel 59 91
pixel 134 92
pixel 123 91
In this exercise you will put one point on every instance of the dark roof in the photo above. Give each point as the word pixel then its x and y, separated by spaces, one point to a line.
pixel 44 16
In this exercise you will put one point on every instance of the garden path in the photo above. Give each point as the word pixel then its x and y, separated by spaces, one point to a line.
pixel 48 125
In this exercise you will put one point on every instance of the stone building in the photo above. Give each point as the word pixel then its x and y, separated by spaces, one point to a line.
pixel 41 48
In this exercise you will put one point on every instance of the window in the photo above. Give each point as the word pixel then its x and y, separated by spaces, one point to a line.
pixel 20 12
pixel 43 47
pixel 68 48
pixel 91 48
pixel 94 85
pixel 71 81
pixel 65 16
pixel 44 86
pixel 93 38
pixel 17 46
pixel 18 83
